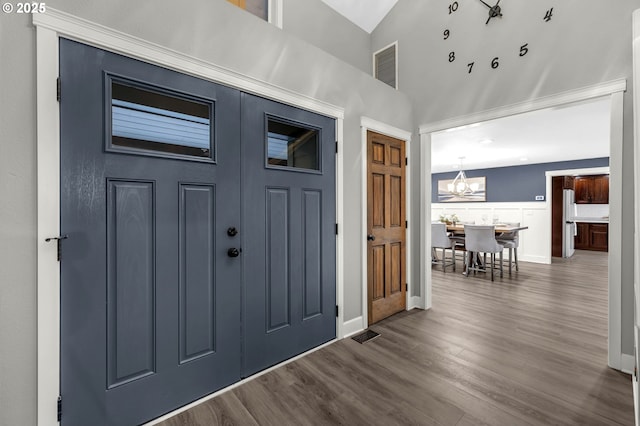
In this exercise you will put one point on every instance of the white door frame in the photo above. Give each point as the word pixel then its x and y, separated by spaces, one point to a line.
pixel 367 124
pixel 615 90
pixel 49 28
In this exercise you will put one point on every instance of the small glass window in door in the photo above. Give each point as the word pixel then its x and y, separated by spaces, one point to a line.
pixel 292 145
pixel 159 123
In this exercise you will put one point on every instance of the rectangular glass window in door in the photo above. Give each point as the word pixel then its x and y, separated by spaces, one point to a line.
pixel 292 145
pixel 159 123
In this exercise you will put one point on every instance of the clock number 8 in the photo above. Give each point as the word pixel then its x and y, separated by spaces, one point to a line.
pixel 452 56
pixel 453 7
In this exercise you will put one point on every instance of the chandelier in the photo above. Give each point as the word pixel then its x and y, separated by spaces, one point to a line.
pixel 460 187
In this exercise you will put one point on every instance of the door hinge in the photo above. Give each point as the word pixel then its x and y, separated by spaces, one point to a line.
pixel 336 147
pixel 59 408
pixel 406 286
pixel 336 229
pixel 336 310
pixel 406 223
pixel 58 244
pixel 406 161
pixel 58 89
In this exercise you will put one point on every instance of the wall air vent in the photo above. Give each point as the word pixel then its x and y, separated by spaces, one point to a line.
pixel 385 65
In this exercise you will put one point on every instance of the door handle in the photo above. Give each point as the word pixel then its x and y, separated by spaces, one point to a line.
pixel 232 232
pixel 233 252
pixel 371 237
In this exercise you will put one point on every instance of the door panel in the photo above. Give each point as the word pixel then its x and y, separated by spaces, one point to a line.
pixel 150 316
pixel 289 239
pixel 385 226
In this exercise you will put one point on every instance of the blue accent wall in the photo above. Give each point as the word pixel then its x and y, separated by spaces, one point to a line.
pixel 517 183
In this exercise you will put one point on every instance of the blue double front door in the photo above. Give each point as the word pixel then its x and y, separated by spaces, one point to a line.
pixel 201 243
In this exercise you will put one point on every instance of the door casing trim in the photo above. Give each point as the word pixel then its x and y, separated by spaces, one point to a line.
pixel 369 124
pixel 50 27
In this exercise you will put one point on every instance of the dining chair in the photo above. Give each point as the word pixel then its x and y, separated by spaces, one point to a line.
pixel 440 240
pixel 511 241
pixel 481 239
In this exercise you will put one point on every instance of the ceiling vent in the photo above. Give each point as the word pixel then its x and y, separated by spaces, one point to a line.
pixel 385 66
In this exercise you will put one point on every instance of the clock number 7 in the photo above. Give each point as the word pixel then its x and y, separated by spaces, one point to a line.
pixel 547 16
pixel 453 7
pixel 470 66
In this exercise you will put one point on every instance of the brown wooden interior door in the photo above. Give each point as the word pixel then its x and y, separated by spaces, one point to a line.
pixel 386 226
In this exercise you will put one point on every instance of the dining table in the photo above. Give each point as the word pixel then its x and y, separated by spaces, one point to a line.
pixel 500 228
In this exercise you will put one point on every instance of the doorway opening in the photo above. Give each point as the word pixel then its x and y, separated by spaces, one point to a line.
pixel 613 91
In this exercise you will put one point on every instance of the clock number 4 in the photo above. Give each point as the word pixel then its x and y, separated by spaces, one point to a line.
pixel 453 7
pixel 547 16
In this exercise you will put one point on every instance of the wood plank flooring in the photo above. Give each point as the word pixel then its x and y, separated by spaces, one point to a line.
pixel 530 349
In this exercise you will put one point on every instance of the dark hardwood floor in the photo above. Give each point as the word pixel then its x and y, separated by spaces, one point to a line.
pixel 530 349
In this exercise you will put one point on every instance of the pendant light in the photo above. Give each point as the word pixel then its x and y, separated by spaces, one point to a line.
pixel 460 186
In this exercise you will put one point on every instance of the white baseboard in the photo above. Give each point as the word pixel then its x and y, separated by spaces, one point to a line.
pixel 415 302
pixel 627 363
pixel 353 326
pixel 532 259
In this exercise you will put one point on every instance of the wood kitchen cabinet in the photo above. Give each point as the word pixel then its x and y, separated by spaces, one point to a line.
pixel 592 236
pixel 568 182
pixel 592 189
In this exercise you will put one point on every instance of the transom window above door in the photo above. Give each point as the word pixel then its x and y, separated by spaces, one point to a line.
pixel 260 8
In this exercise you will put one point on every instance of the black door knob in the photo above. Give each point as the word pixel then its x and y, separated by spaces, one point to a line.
pixel 232 232
pixel 233 252
pixel 371 237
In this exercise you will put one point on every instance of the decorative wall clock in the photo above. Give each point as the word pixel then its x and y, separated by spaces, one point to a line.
pixel 479 17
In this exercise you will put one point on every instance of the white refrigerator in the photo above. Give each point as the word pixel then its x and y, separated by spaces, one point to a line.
pixel 569 226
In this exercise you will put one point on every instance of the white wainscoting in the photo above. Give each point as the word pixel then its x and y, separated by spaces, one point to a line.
pixel 535 242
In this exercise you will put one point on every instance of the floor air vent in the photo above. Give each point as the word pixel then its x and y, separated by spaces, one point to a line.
pixel 366 336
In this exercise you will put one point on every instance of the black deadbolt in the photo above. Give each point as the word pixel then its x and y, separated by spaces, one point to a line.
pixel 233 252
pixel 232 232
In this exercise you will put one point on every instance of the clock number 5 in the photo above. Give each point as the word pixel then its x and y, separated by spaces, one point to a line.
pixel 524 49
pixel 453 7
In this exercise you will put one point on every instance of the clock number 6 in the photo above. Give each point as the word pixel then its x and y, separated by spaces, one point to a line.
pixel 453 7
pixel 495 64
pixel 524 49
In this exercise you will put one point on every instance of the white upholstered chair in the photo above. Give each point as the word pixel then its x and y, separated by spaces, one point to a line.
pixel 481 239
pixel 511 241
pixel 440 240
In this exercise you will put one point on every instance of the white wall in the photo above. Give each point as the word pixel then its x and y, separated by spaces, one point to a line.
pixel 213 31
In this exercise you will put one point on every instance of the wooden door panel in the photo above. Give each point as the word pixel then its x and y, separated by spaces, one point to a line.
pixel 378 273
pixel 395 201
pixel 386 224
pixel 378 194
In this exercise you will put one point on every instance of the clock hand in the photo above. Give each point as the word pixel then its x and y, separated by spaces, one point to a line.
pixel 494 11
pixel 489 6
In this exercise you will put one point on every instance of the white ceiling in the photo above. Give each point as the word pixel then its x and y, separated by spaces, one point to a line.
pixel 366 14
pixel 572 132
